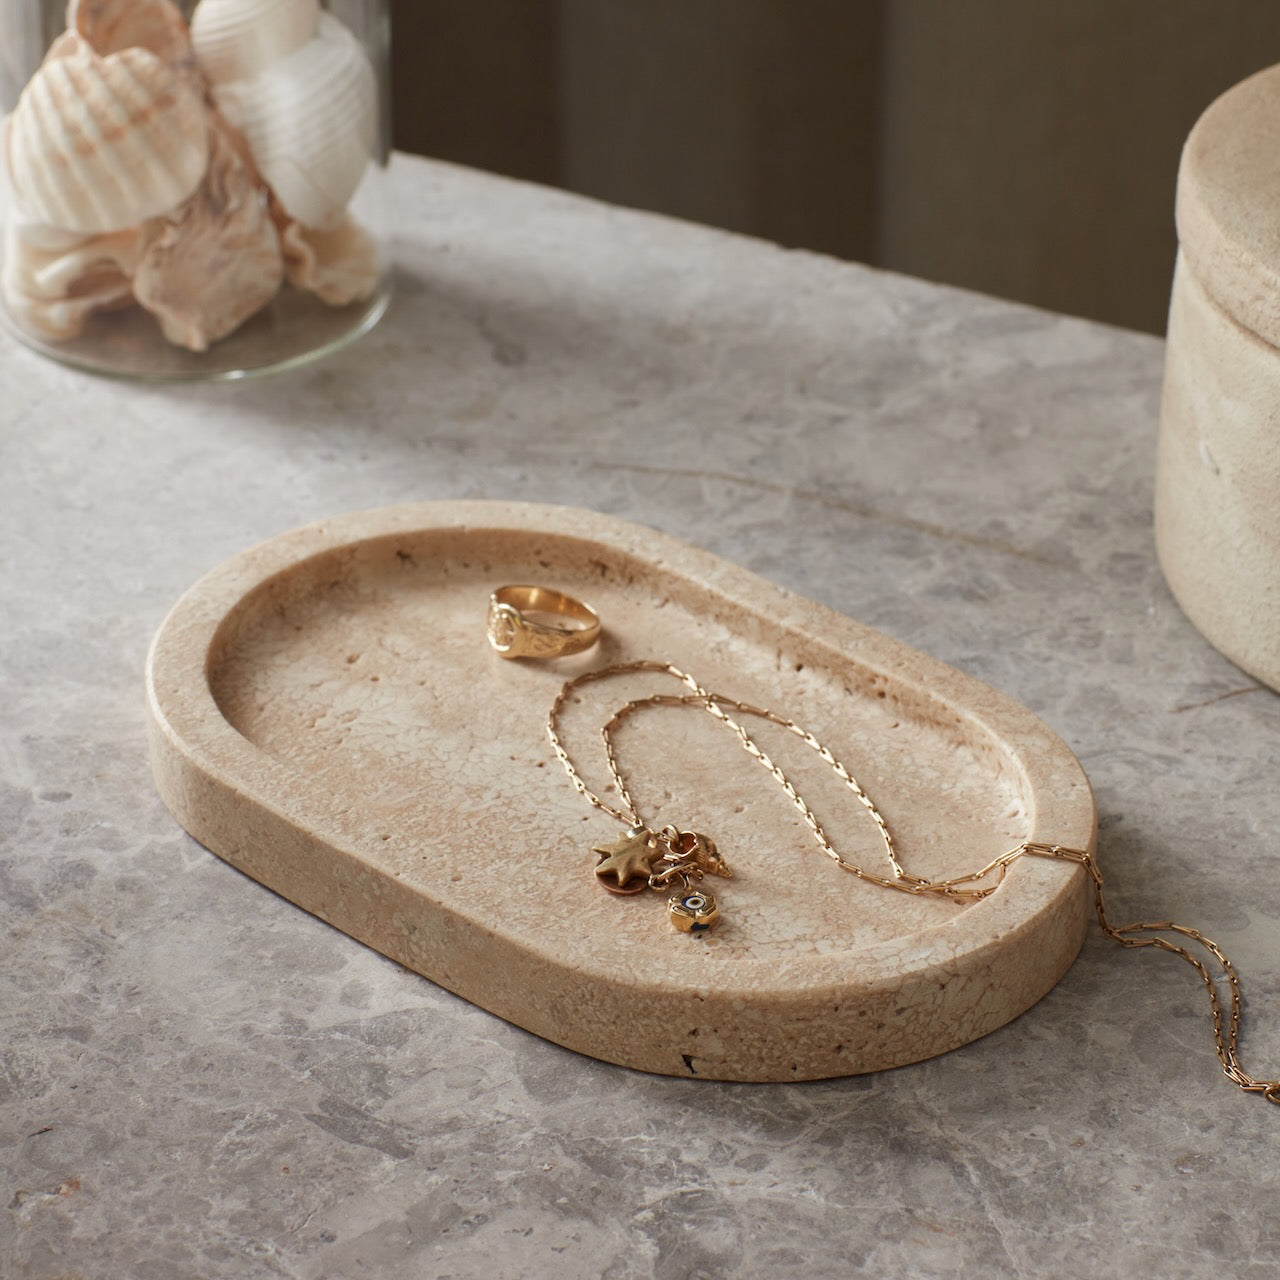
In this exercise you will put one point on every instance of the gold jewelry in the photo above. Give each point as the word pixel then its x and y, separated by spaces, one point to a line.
pixel 644 858
pixel 513 634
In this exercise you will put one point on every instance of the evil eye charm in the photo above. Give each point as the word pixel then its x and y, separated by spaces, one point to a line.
pixel 693 910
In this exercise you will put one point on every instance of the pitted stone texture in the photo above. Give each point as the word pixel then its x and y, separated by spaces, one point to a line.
pixel 327 716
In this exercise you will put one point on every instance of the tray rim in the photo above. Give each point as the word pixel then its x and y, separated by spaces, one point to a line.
pixel 198 746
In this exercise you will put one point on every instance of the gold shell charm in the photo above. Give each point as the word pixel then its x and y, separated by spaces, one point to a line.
pixel 693 911
pixel 695 850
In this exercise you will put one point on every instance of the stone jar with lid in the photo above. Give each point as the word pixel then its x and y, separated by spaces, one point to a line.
pixel 1217 503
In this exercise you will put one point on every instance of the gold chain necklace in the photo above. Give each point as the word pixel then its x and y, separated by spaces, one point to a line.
pixel 644 858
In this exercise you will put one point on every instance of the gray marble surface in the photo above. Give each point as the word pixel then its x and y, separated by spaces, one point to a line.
pixel 199 1080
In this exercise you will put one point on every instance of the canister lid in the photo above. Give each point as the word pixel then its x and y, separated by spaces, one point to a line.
pixel 1228 205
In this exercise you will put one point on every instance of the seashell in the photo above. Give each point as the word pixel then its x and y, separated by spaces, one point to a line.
pixel 238 39
pixel 99 144
pixel 216 259
pixel 53 282
pixel 64 46
pixel 339 266
pixel 310 121
pixel 111 25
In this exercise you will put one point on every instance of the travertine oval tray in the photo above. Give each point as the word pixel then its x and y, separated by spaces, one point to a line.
pixel 327 716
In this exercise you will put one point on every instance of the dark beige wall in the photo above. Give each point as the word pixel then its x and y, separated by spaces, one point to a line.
pixel 757 115
pixel 1031 149
pixel 477 81
pixel 1026 148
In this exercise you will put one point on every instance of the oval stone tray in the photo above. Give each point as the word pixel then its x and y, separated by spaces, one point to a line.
pixel 327 716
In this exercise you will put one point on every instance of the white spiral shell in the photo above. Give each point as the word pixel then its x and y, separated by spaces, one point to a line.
pixel 100 144
pixel 239 39
pixel 310 121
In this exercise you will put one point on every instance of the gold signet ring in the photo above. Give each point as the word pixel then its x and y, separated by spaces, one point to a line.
pixel 536 622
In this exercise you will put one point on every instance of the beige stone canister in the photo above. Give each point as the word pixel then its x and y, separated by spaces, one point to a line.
pixel 1217 505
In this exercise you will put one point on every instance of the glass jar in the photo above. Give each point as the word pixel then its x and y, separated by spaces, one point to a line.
pixel 195 189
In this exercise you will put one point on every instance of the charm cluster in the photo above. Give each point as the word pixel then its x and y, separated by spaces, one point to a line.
pixel 641 859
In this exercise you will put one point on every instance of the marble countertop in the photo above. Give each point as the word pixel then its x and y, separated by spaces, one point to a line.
pixel 197 1079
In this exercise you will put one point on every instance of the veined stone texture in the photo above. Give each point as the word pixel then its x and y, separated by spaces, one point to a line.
pixel 198 1079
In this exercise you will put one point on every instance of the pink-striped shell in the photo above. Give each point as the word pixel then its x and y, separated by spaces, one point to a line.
pixel 99 144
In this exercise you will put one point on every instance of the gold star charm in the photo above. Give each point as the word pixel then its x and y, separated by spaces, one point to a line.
pixel 629 858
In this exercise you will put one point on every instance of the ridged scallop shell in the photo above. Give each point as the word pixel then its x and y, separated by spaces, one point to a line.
pixel 311 122
pixel 99 144
pixel 237 39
